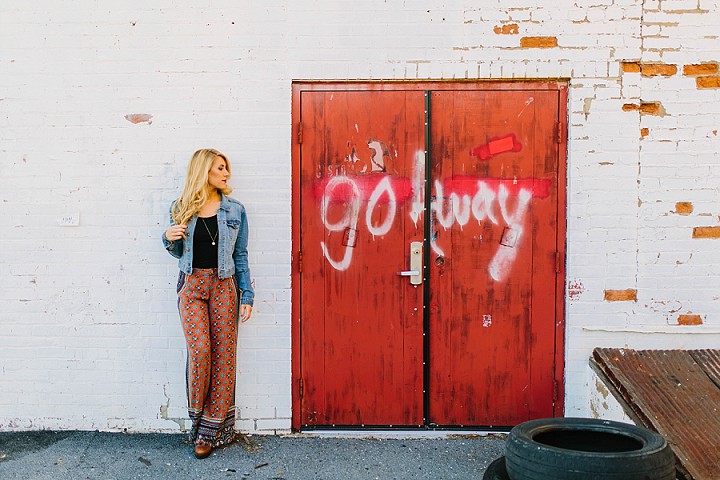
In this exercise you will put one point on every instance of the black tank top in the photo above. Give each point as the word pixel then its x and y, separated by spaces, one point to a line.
pixel 205 243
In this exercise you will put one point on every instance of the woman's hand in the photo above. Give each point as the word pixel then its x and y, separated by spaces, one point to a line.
pixel 176 232
pixel 245 312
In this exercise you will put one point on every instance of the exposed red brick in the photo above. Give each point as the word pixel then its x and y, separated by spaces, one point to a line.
pixel 657 69
pixel 648 108
pixel 538 42
pixel 139 118
pixel 652 108
pixel 631 67
pixel 644 132
pixel 706 232
pixel 683 208
pixel 690 320
pixel 507 29
pixel 621 295
pixel 708 82
pixel 701 69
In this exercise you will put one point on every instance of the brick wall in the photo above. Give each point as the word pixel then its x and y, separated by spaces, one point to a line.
pixel 101 104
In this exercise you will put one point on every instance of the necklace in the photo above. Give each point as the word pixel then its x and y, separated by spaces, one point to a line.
pixel 208 230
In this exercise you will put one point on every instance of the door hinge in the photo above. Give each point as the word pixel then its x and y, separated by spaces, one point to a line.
pixel 299 262
pixel 555 391
pixel 300 132
pixel 301 388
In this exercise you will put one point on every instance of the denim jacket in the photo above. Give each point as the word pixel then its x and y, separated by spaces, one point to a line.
pixel 232 246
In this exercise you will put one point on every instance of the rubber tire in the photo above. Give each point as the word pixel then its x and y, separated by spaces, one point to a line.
pixel 586 449
pixel 496 470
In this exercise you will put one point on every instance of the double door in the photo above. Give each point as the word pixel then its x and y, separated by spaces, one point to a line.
pixel 429 228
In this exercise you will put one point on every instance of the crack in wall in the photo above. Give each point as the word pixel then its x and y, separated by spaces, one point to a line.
pixel 164 411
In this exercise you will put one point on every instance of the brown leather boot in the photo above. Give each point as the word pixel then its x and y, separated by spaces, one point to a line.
pixel 202 451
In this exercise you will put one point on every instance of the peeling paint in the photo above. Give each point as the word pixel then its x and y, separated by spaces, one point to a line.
pixel 631 67
pixel 164 411
pixel 646 108
pixel 689 319
pixel 139 118
pixel 621 295
pixel 665 306
pixel 700 69
pixel 683 208
pixel 657 69
pixel 706 232
pixel 603 390
pixel 507 29
pixel 538 42
pixel 652 108
pixel 586 106
pixel 708 82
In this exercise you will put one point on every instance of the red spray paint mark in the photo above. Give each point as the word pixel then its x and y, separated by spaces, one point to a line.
pixel 497 145
pixel 401 186
pixel 467 185
pixel 575 289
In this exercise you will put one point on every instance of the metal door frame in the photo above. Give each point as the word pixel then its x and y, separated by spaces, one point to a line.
pixel 299 86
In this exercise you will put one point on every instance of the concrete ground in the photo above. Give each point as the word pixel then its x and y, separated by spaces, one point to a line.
pixel 98 455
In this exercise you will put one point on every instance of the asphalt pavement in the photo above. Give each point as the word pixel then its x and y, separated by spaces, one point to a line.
pixel 53 455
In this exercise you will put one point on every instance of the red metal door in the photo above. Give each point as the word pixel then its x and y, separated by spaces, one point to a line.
pixel 361 322
pixel 494 162
pixel 476 340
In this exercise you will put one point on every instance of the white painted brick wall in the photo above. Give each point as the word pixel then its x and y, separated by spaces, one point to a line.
pixel 89 335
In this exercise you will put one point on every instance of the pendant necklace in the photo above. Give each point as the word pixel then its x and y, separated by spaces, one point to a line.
pixel 208 230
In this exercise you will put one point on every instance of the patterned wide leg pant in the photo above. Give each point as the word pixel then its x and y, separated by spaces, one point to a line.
pixel 209 311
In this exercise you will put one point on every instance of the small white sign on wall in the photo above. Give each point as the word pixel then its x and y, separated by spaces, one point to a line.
pixel 69 220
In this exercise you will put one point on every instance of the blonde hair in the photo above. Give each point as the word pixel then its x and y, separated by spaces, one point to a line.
pixel 195 192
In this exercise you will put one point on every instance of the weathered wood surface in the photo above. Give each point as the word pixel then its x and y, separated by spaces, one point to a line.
pixel 675 393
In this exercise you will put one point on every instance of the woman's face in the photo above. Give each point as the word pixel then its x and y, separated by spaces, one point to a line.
pixel 218 174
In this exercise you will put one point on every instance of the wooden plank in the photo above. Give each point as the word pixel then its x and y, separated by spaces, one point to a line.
pixel 672 393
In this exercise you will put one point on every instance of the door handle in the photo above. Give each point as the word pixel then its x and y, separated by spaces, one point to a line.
pixel 416 259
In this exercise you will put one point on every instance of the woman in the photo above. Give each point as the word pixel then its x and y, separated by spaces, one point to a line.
pixel 209 234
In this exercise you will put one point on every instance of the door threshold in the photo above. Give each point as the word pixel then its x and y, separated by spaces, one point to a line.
pixel 400 434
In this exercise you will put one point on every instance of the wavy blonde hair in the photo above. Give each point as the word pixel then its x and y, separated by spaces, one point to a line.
pixel 196 190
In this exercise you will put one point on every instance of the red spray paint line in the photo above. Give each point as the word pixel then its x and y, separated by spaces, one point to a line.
pixel 508 143
pixel 401 187
pixel 467 185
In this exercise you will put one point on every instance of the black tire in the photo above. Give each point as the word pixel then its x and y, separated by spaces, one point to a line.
pixel 586 449
pixel 496 470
